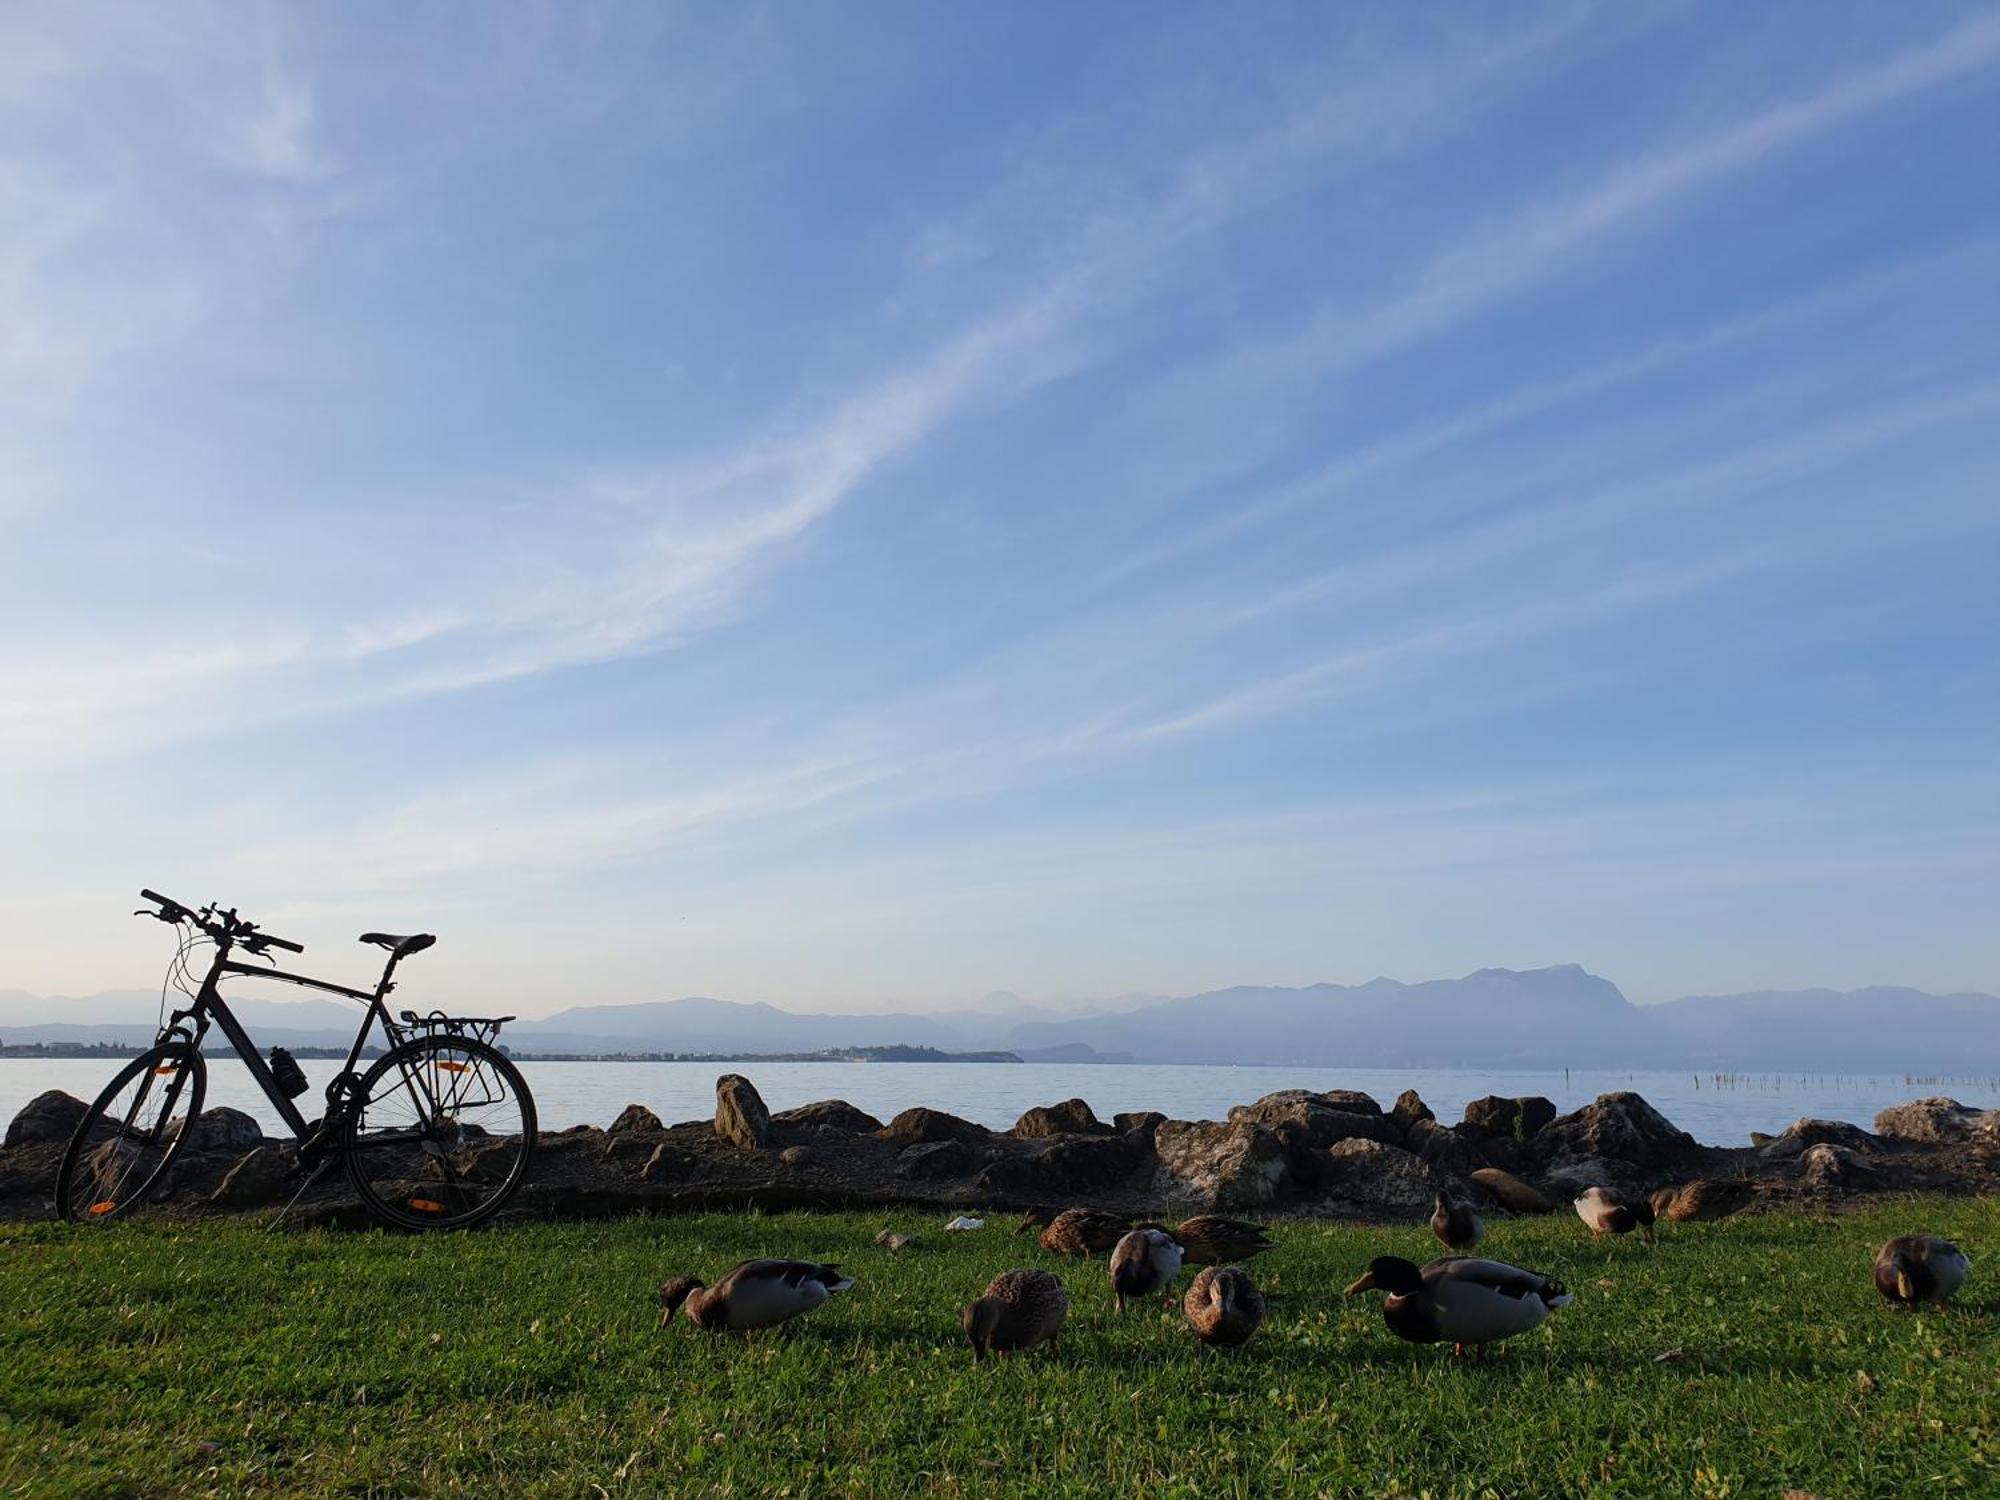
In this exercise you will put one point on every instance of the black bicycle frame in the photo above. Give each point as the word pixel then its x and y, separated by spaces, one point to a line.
pixel 209 1005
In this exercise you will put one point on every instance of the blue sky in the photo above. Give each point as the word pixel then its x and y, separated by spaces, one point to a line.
pixel 875 504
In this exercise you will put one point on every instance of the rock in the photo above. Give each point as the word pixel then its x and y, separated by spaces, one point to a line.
pixel 1222 1166
pixel 1307 1122
pixel 258 1178
pixel 225 1129
pixel 1826 1168
pixel 666 1164
pixel 835 1114
pixel 1800 1134
pixel 1510 1192
pixel 1931 1122
pixel 890 1240
pixel 1382 1176
pixel 1353 1101
pixel 1011 1179
pixel 922 1126
pixel 48 1118
pixel 740 1115
pixel 1618 1127
pixel 796 1157
pixel 934 1160
pixel 1409 1109
pixel 635 1117
pixel 1086 1165
pixel 1516 1119
pixel 1147 1120
pixel 1071 1117
pixel 627 1143
pixel 1440 1146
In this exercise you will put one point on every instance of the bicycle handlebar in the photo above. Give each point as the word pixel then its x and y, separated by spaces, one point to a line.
pixel 226 926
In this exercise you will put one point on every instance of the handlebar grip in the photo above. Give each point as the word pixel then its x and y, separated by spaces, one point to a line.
pixel 272 942
pixel 156 897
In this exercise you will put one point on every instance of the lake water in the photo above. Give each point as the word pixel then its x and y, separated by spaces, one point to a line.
pixel 995 1094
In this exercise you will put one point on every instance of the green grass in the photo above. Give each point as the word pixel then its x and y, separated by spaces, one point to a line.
pixel 158 1358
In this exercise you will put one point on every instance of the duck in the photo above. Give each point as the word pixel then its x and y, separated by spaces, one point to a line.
pixel 1083 1231
pixel 1703 1199
pixel 1018 1310
pixel 1456 1225
pixel 1606 1214
pixel 1213 1240
pixel 1145 1261
pixel 1223 1306
pixel 1460 1300
pixel 1920 1270
pixel 756 1294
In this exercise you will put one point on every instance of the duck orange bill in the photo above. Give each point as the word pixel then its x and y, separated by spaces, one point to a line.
pixel 427 1205
pixel 105 1207
pixel 1365 1284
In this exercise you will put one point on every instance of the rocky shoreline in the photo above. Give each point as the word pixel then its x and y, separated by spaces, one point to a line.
pixel 1291 1154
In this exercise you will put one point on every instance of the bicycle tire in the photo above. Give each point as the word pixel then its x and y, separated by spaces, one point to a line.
pixel 190 1070
pixel 390 1199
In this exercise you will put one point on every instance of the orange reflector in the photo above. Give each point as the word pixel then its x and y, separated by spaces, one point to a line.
pixel 168 1069
pixel 426 1206
pixel 454 1067
pixel 105 1207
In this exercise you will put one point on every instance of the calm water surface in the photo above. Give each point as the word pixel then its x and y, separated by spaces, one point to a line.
pixel 569 1093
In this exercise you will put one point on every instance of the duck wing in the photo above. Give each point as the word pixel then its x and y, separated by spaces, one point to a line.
pixel 1496 1277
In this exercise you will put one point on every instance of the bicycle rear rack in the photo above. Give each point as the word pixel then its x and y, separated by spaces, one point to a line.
pixel 437 1023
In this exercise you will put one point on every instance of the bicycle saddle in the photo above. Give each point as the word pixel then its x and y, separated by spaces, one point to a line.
pixel 402 947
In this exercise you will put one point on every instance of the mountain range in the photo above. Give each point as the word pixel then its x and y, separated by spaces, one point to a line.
pixel 1562 1016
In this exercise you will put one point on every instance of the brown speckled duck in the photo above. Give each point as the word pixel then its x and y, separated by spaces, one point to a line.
pixel 1019 1310
pixel 1083 1231
pixel 1213 1240
pixel 1223 1306
pixel 757 1294
pixel 1920 1270
pixel 1704 1199
pixel 1455 1224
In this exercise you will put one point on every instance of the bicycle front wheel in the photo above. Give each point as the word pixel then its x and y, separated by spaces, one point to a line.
pixel 123 1146
pixel 440 1134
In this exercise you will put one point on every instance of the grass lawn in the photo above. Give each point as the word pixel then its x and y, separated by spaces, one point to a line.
pixel 1743 1357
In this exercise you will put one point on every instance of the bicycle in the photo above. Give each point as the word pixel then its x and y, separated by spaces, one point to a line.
pixel 437 1133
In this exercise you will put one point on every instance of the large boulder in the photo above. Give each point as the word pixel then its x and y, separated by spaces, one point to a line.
pixel 920 1126
pixel 740 1115
pixel 1801 1134
pixel 1826 1168
pixel 1516 1119
pixel 1936 1122
pixel 225 1129
pixel 48 1117
pixel 1619 1127
pixel 668 1163
pixel 1233 1165
pixel 1086 1165
pixel 837 1114
pixel 636 1118
pixel 933 1161
pixel 1071 1117
pixel 1144 1120
pixel 1353 1101
pixel 1306 1121
pixel 1381 1176
pixel 1409 1109
pixel 1442 1147
pixel 258 1178
pixel 1510 1192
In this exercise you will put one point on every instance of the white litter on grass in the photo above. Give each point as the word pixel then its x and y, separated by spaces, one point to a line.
pixel 964 1222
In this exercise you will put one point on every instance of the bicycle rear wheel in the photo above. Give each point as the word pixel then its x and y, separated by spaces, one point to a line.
pixel 125 1143
pixel 440 1134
